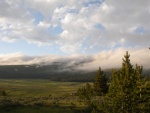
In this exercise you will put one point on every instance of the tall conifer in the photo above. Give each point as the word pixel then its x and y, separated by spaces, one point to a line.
pixel 126 88
pixel 100 84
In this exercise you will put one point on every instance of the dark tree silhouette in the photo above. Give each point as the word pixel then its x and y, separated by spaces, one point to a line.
pixel 100 84
pixel 128 89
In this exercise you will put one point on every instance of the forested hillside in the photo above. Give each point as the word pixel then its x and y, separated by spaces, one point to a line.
pixel 55 72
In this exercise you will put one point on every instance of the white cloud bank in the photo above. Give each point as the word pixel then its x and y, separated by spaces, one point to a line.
pixel 86 25
pixel 105 59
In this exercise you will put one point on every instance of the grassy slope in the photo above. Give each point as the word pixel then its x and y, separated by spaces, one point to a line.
pixel 33 91
pixel 30 87
pixel 38 110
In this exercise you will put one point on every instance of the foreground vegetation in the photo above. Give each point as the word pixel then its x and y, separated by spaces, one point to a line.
pixel 44 95
pixel 127 92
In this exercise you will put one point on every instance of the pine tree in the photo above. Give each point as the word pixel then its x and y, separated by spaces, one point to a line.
pixel 85 93
pixel 100 84
pixel 126 88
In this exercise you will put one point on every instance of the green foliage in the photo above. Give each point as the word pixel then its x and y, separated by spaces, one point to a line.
pixel 100 105
pixel 127 88
pixel 85 94
pixel 3 93
pixel 94 97
pixel 8 104
pixel 37 109
pixel 100 84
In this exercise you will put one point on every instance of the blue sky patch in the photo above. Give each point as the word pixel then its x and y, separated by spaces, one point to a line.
pixel 27 48
pixel 139 30
pixel 55 30
pixel 93 2
pixel 99 26
pixel 37 15
pixel 74 11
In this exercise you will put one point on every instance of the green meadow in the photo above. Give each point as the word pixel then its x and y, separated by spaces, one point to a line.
pixel 36 96
pixel 31 87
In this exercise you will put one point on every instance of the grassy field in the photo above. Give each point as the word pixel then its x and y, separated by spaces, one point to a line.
pixel 36 109
pixel 45 95
pixel 38 87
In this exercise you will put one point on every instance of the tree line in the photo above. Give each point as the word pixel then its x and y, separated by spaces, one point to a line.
pixel 128 91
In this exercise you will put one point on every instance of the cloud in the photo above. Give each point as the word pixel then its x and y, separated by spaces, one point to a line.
pixel 113 59
pixel 105 59
pixel 82 26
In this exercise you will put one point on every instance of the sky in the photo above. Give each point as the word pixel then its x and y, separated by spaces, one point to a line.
pixel 91 32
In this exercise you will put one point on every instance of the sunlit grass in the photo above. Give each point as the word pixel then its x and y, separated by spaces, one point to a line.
pixel 32 92
pixel 38 87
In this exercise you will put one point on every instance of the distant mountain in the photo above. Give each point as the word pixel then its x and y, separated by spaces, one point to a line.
pixel 56 71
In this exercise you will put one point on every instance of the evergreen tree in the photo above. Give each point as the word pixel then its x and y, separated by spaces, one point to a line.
pixel 126 88
pixel 100 84
pixel 85 93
